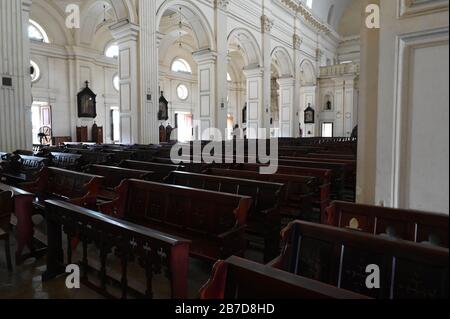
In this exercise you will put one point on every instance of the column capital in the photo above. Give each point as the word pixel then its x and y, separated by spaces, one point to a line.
pixel 297 41
pixel 253 72
pixel 124 30
pixel 222 4
pixel 26 5
pixel 286 81
pixel 266 24
pixel 204 56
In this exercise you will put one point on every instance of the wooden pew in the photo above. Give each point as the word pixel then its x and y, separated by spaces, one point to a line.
pixel 154 251
pixel 55 183
pixel 23 212
pixel 408 225
pixel 160 171
pixel 297 197
pixel 113 176
pixel 66 160
pixel 215 222
pixel 22 168
pixel 263 220
pixel 338 176
pixel 237 278
pixel 340 257
pixel 322 197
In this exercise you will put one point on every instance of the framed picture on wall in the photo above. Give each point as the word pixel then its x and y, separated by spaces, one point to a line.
pixel 309 115
pixel 87 103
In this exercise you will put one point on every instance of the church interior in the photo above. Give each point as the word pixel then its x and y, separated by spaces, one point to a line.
pixel 134 135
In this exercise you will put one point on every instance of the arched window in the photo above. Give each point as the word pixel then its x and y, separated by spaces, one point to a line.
pixel 330 14
pixel 116 82
pixel 181 65
pixel 229 77
pixel 112 51
pixel 35 71
pixel 309 3
pixel 36 32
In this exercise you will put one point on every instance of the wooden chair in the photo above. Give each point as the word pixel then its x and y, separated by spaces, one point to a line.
pixel 6 209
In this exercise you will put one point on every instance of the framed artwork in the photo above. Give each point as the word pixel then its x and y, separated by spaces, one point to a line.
pixel 309 115
pixel 163 113
pixel 87 105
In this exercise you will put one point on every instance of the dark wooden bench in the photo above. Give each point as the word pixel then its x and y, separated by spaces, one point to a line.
pixel 160 171
pixel 154 251
pixel 297 197
pixel 322 195
pixel 55 183
pixel 215 222
pixel 22 220
pixel 340 257
pixel 21 168
pixel 113 176
pixel 338 176
pixel 263 220
pixel 416 226
pixel 237 278
pixel 66 160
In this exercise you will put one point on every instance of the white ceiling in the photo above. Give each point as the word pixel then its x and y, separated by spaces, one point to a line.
pixel 321 8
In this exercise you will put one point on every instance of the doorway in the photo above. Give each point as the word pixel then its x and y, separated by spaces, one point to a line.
pixel 41 115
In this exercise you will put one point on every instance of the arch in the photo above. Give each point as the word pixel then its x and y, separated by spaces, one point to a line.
pixel 93 9
pixel 202 31
pixel 284 65
pixel 52 19
pixel 330 14
pixel 307 73
pixel 249 45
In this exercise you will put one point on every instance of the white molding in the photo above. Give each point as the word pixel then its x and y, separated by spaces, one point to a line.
pixel 406 46
pixel 411 8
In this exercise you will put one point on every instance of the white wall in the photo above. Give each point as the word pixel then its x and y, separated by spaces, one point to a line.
pixel 412 122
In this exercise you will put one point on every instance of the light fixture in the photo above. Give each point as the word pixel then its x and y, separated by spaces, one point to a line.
pixel 180 28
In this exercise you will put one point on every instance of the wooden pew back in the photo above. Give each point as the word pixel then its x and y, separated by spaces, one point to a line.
pixel 340 257
pixel 266 195
pixel 156 252
pixel 298 190
pixel 160 171
pixel 215 220
pixel 238 278
pixel 409 225
pixel 66 160
pixel 59 183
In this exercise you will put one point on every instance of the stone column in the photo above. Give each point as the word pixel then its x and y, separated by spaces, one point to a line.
pixel 339 101
pixel 367 113
pixel 126 34
pixel 15 88
pixel 206 112
pixel 149 72
pixel 266 28
pixel 349 94
pixel 297 115
pixel 221 102
pixel 287 110
pixel 255 100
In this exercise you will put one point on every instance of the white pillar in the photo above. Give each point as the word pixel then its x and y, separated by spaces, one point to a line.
pixel 287 110
pixel 149 71
pixel 15 99
pixel 126 34
pixel 206 112
pixel 339 97
pixel 266 28
pixel 255 107
pixel 297 114
pixel 221 102
pixel 349 94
